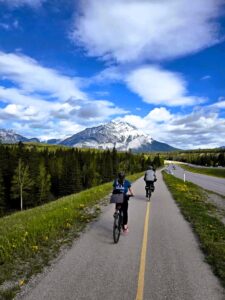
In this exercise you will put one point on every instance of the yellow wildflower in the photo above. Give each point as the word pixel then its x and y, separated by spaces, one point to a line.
pixel 21 282
pixel 68 225
pixel 35 248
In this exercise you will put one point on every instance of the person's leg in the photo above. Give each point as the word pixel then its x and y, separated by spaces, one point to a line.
pixel 147 187
pixel 152 186
pixel 125 214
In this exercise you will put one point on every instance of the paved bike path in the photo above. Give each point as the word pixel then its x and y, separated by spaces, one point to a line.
pixel 96 268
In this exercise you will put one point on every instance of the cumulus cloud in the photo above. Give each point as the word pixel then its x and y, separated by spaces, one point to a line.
pixel 37 94
pixel 31 76
pixel 86 112
pixel 198 129
pixel 130 30
pixel 158 86
pixel 29 111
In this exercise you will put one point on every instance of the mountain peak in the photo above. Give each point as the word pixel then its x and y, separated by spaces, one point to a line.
pixel 121 135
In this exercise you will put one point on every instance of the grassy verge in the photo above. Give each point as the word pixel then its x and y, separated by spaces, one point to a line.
pixel 30 239
pixel 202 215
pixel 217 172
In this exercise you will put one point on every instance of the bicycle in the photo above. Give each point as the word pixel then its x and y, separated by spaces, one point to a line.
pixel 118 222
pixel 149 189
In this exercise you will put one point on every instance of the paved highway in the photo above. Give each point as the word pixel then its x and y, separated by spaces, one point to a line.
pixel 211 183
pixel 158 259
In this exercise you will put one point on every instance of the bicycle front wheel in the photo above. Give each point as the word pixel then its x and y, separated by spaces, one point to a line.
pixel 116 229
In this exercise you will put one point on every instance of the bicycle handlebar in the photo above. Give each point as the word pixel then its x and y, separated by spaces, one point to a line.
pixel 130 196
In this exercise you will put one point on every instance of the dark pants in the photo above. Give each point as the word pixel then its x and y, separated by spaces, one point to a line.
pixel 149 184
pixel 124 207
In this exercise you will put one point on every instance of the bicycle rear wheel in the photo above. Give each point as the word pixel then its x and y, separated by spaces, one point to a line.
pixel 149 194
pixel 116 228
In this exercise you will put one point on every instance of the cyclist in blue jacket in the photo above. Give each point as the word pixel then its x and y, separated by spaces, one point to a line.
pixel 121 185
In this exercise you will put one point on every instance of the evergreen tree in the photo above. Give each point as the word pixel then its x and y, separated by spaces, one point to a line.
pixel 43 183
pixel 2 196
pixel 115 162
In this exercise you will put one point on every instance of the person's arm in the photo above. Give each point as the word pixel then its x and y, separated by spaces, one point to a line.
pixel 130 189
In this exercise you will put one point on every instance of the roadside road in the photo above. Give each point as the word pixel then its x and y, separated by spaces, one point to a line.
pixel 211 183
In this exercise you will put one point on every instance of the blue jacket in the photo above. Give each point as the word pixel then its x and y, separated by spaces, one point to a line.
pixel 121 188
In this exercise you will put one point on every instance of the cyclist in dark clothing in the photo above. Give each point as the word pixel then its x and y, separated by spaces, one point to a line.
pixel 150 178
pixel 121 185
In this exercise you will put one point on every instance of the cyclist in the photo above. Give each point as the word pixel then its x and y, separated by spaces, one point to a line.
pixel 150 178
pixel 121 185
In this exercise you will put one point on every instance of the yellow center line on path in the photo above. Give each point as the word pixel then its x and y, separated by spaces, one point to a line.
pixel 141 277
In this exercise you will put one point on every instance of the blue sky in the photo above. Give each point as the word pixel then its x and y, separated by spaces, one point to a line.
pixel 69 64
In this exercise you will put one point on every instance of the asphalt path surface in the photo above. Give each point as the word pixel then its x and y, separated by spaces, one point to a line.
pixel 95 268
pixel 211 183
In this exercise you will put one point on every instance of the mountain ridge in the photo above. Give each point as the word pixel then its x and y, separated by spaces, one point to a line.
pixel 121 135
pixel 11 137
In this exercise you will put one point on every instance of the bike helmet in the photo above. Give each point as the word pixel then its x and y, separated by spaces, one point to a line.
pixel 121 175
pixel 150 167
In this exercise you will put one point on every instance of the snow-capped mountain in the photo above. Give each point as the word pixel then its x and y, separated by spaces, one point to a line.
pixel 121 135
pixel 10 137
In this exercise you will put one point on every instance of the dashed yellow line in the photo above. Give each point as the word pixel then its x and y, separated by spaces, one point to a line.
pixel 141 277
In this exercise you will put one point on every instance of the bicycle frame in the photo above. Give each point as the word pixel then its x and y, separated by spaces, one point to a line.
pixel 149 189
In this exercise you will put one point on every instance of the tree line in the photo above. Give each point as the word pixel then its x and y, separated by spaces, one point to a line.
pixel 32 175
pixel 207 158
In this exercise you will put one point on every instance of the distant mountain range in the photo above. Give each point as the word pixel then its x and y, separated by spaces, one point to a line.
pixel 10 137
pixel 121 135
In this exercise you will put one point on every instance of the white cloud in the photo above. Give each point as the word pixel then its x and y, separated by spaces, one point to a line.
pixel 41 98
pixel 27 113
pixel 16 96
pixel 158 86
pixel 46 116
pixel 198 129
pixel 32 77
pixel 159 115
pixel 129 30
pixel 219 104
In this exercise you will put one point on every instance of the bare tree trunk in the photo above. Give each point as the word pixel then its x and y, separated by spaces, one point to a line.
pixel 21 197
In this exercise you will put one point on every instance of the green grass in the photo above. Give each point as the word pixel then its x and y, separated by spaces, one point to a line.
pixel 192 201
pixel 217 172
pixel 30 239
